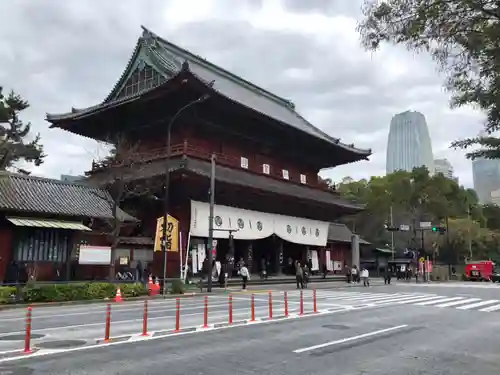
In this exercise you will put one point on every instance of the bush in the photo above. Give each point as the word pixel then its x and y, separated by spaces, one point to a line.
pixel 71 292
pixel 177 287
pixel 6 293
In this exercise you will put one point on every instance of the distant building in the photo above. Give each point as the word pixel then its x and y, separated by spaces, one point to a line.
pixel 486 176
pixel 495 197
pixel 409 144
pixel 444 167
pixel 70 178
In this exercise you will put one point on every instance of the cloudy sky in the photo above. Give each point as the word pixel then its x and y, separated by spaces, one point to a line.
pixel 59 54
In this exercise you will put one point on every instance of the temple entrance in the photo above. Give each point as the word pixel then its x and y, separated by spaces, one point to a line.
pixel 293 252
pixel 264 253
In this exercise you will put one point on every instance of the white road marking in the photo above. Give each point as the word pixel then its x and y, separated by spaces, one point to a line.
pixel 349 339
pixel 433 302
pixel 491 308
pixel 456 303
pixel 474 305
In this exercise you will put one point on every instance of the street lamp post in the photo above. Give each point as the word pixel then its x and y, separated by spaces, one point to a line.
pixel 167 187
pixel 211 223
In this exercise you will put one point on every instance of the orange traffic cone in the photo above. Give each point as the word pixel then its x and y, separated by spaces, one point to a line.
pixel 118 297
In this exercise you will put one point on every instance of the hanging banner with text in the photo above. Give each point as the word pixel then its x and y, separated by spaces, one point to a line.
pixel 172 240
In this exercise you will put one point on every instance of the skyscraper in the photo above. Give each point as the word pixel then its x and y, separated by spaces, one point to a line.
pixel 486 176
pixel 409 144
pixel 444 167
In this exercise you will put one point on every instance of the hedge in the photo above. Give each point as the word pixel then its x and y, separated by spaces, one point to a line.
pixel 70 292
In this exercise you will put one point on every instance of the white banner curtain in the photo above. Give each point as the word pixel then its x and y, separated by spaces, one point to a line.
pixel 254 225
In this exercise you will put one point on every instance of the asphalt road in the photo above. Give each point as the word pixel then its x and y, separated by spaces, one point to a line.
pixel 398 329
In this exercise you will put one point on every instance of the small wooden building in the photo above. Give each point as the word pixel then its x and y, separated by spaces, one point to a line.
pixel 268 195
pixel 42 222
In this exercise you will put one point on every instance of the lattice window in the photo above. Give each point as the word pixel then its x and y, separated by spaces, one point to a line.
pixel 144 77
pixel 43 245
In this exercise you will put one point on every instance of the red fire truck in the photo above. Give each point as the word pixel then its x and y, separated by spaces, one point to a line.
pixel 479 270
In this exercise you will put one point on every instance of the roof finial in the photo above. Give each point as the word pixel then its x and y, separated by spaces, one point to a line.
pixel 185 66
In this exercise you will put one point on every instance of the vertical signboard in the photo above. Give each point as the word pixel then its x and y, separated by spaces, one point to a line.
pixel 172 240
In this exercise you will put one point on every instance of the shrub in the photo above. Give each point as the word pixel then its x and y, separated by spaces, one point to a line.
pixel 177 287
pixel 6 293
pixel 72 292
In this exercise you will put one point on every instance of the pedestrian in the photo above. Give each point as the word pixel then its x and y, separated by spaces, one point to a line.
pixel 299 275
pixel 365 276
pixel 306 272
pixel 245 276
pixel 355 274
pixel 348 274
pixel 387 276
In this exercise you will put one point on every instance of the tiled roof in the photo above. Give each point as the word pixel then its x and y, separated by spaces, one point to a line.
pixel 340 233
pixel 235 177
pixel 20 193
pixel 169 58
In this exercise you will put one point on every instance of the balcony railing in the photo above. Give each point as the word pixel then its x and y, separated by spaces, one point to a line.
pixel 186 149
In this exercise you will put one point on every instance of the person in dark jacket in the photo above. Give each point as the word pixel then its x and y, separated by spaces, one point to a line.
pixel 387 275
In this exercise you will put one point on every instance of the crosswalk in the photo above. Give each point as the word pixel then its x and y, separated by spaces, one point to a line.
pixel 352 299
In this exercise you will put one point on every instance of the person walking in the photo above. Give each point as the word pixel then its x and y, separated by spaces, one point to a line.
pixel 299 275
pixel 387 276
pixel 245 276
pixel 365 275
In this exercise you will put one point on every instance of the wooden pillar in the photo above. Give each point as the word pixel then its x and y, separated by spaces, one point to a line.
pixel 250 256
pixel 279 257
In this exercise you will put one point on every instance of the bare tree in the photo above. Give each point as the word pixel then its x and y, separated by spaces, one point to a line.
pixel 118 177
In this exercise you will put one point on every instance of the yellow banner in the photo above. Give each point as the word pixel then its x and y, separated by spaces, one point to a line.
pixel 172 234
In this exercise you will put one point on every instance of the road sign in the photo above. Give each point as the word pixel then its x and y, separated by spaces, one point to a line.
pixel 425 224
pixel 421 259
pixel 404 228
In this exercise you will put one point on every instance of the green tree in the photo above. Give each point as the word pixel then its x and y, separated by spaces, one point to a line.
pixel 462 36
pixel 13 133
pixel 412 197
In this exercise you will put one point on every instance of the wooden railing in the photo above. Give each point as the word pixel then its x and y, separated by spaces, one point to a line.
pixel 190 150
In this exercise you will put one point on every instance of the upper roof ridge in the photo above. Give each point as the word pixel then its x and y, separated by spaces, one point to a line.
pixel 206 63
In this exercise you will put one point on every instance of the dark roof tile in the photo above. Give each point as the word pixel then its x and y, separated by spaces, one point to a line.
pixel 20 193
pixel 340 233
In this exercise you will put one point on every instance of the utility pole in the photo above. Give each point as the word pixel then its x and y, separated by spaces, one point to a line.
pixel 392 232
pixel 469 216
pixel 211 223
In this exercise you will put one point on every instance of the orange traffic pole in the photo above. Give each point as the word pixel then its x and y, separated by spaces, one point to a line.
pixel 145 319
pixel 314 301
pixel 285 296
pixel 205 313
pixel 177 315
pixel 301 306
pixel 252 309
pixel 107 328
pixel 27 335
pixel 270 302
pixel 230 318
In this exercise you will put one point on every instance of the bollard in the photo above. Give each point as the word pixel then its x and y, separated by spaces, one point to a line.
pixel 145 319
pixel 230 319
pixel 301 305
pixel 270 302
pixel 205 313
pixel 27 336
pixel 177 315
pixel 252 309
pixel 107 328
pixel 314 301
pixel 285 296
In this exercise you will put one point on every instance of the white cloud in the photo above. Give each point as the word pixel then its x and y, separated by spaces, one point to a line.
pixel 64 54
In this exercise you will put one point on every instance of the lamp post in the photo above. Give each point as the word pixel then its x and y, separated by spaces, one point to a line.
pixel 211 223
pixel 167 187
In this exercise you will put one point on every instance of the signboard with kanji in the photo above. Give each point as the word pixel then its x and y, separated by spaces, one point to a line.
pixel 172 240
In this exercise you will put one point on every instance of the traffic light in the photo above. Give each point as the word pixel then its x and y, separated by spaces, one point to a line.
pixel 440 230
